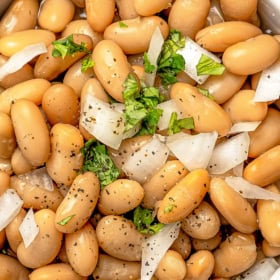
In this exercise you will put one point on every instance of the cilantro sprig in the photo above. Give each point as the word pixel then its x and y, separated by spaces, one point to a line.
pixel 66 220
pixel 170 63
pixel 145 222
pixel 97 160
pixel 122 24
pixel 67 46
pixel 87 63
pixel 208 66
pixel 176 125
pixel 206 93
pixel 140 106
pixel 148 66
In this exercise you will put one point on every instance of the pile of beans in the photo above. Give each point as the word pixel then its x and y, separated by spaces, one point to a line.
pixel 222 234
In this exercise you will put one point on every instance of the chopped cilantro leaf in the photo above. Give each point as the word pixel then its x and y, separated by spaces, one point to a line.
pixel 206 93
pixel 145 222
pixel 140 106
pixel 208 66
pixel 170 63
pixel 176 125
pixel 131 88
pixel 67 46
pixel 97 160
pixel 87 63
pixel 168 208
pixel 149 124
pixel 66 220
pixel 148 67
pixel 122 24
pixel 4 252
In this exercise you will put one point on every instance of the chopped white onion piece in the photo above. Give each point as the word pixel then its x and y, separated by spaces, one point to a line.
pixel 192 53
pixel 229 153
pixel 155 247
pixel 249 190
pixel 268 88
pixel 215 13
pixel 276 275
pixel 168 107
pixel 153 53
pixel 10 205
pixel 194 151
pixel 39 178
pixel 142 164
pixel 28 228
pixel 19 59
pixel 238 170
pixel 102 121
pixel 120 107
pixel 244 127
pixel 261 270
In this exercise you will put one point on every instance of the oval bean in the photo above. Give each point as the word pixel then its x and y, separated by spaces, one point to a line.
pixel 259 142
pixel 184 197
pixel 248 57
pixel 265 169
pixel 54 15
pixel 207 114
pixel 236 209
pixel 31 131
pixel 120 197
pixel 48 240
pixel 21 15
pixel 124 243
pixel 78 204
pixel 82 245
pixel 235 255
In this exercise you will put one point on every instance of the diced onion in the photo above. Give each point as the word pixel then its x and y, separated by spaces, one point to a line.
pixel 28 228
pixel 39 178
pixel 168 107
pixel 194 151
pixel 276 275
pixel 238 170
pixel 155 247
pixel 19 59
pixel 102 121
pixel 229 153
pixel 215 13
pixel 268 88
pixel 192 53
pixel 243 127
pixel 142 164
pixel 153 53
pixel 120 107
pixel 261 270
pixel 10 205
pixel 249 190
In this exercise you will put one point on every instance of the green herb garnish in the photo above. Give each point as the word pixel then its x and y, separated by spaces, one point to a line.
pixel 170 63
pixel 4 252
pixel 122 24
pixel 176 125
pixel 145 222
pixel 87 63
pixel 169 208
pixel 97 160
pixel 67 46
pixel 140 106
pixel 206 93
pixel 208 66
pixel 66 220
pixel 148 67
